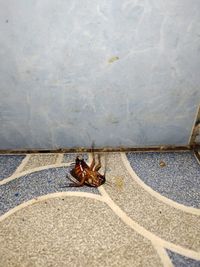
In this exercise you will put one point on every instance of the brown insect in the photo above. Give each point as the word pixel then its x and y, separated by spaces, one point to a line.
pixel 82 174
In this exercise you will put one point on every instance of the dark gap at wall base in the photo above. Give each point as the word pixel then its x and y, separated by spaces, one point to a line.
pixel 106 149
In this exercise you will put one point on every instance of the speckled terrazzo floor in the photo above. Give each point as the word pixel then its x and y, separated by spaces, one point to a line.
pixel 147 214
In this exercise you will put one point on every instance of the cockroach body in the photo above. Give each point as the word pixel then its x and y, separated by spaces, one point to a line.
pixel 82 174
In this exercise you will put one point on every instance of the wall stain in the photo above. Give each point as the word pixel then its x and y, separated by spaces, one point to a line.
pixel 113 59
pixel 112 119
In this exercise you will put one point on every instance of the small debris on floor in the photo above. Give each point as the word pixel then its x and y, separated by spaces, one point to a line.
pixel 162 164
pixel 119 182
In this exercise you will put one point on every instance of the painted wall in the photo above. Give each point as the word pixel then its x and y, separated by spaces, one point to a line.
pixel 118 72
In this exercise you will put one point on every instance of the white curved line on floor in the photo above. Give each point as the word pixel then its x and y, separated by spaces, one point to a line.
pixel 37 169
pixel 147 234
pixel 23 163
pixel 163 256
pixel 49 196
pixel 196 157
pixel 156 194
pixel 127 220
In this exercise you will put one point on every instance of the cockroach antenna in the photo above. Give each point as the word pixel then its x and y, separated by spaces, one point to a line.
pixel 92 147
pixel 105 164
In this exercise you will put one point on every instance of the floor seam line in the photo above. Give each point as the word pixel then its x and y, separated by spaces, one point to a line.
pixel 154 193
pixel 146 233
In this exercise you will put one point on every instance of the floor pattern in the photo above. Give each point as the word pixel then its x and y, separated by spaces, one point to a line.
pixel 9 164
pixel 34 185
pixel 147 213
pixel 38 160
pixel 174 175
pixel 179 260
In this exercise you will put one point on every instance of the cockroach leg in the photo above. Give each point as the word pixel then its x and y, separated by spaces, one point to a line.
pixel 74 185
pixel 98 166
pixel 93 157
pixel 67 185
pixel 93 162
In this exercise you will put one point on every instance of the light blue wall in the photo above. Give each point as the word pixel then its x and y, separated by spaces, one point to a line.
pixel 119 72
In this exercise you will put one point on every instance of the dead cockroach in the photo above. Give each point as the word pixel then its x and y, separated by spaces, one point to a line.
pixel 82 174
